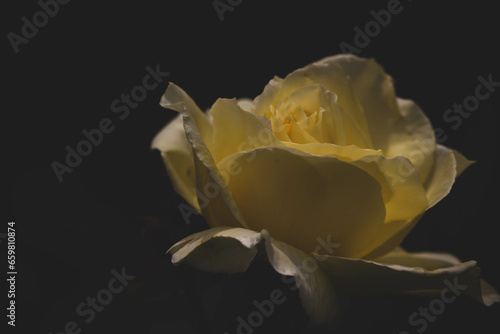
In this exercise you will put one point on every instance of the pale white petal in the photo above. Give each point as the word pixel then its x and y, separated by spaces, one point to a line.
pixel 178 157
pixel 400 271
pixel 231 250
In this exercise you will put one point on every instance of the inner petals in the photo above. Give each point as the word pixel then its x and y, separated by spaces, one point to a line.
pixel 312 114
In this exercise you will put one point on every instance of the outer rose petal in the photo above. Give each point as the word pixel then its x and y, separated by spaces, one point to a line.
pixel 175 98
pixel 218 249
pixel 412 136
pixel 217 204
pixel 443 175
pixel 403 194
pixel 230 250
pixel 462 162
pixel 174 146
pixel 404 197
pixel 400 271
pixel 178 157
pixel 397 231
pixel 448 164
pixel 333 198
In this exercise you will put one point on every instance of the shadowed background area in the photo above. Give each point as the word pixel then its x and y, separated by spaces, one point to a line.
pixel 117 211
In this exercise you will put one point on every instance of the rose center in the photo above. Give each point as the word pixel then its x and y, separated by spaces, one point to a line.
pixel 291 114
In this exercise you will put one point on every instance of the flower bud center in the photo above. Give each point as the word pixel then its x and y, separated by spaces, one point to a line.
pixel 290 113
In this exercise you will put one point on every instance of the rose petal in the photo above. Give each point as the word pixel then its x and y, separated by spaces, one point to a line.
pixel 245 104
pixel 438 186
pixel 279 130
pixel 345 124
pixel 299 135
pixel 236 130
pixel 346 153
pixel 405 130
pixel 478 289
pixel 177 155
pixel 367 93
pixel 400 271
pixel 442 176
pixel 403 194
pixel 231 250
pixel 335 198
pixel 336 125
pixel 175 98
pixel 462 162
pixel 176 150
pixel 402 191
pixel 315 289
pixel 215 200
pixel 489 295
pixel 220 249
pixel 404 197
pixel 412 136
pixel 399 231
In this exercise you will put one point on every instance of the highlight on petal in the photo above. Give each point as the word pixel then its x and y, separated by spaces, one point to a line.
pixel 306 196
pixel 220 249
pixel 231 250
pixel 400 271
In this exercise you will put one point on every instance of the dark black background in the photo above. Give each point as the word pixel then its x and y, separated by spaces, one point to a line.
pixel 118 209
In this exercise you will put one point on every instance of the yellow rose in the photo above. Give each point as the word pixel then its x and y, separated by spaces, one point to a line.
pixel 327 153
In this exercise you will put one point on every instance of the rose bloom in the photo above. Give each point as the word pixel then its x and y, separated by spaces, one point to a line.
pixel 327 161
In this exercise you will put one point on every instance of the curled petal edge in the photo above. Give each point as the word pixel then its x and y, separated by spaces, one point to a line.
pixel 231 250
pixel 400 271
